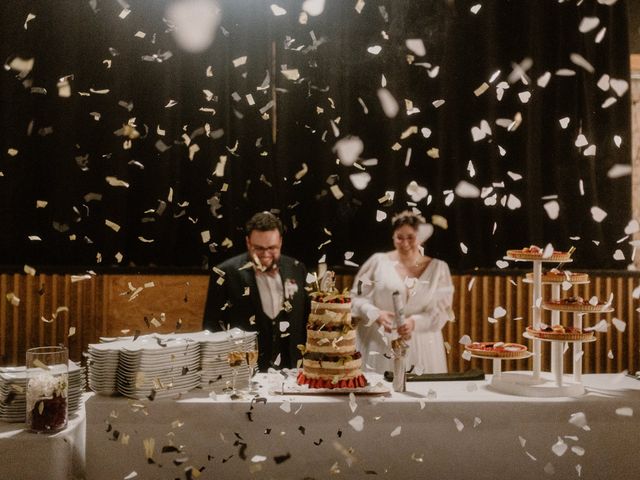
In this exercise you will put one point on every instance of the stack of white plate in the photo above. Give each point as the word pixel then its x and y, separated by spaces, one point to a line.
pixel 103 366
pixel 217 374
pixel 158 366
pixel 13 386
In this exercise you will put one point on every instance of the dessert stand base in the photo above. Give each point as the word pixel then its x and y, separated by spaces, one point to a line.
pixel 524 384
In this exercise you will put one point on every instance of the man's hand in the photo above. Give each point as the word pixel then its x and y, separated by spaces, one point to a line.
pixel 386 319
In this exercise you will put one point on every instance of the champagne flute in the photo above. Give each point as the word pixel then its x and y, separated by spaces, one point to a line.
pixel 252 361
pixel 235 361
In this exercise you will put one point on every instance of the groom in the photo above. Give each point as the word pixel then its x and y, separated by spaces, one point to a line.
pixel 262 290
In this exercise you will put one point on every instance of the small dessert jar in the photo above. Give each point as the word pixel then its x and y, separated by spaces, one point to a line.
pixel 47 388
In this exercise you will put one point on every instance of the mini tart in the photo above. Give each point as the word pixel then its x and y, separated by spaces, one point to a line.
pixel 497 349
pixel 334 342
pixel 558 332
pixel 560 276
pixel 567 305
pixel 535 253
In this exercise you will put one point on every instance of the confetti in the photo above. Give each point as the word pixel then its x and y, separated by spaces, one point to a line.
pixel 459 424
pixel 348 149
pixel 278 10
pixel 388 103
pixel 416 45
pixel 624 411
pixel 396 431
pixel 357 423
pixel 598 214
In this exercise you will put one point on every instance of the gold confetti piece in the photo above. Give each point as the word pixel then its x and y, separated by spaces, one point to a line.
pixel 337 193
pixel 149 447
pixel 206 236
pixel 433 152
pixel 114 226
pixel 115 182
pixel 302 172
pixel 481 89
pixel 13 299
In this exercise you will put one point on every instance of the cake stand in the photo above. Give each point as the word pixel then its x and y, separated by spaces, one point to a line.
pixel 538 383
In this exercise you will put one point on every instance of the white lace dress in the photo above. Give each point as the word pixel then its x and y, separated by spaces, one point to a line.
pixel 427 298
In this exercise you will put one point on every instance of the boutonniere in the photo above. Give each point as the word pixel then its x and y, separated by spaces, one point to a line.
pixel 290 288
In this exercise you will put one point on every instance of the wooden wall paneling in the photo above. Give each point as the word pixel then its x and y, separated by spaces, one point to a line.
pixel 3 315
pixel 630 317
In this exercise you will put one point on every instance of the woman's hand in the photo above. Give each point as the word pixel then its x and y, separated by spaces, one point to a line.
pixel 407 328
pixel 386 319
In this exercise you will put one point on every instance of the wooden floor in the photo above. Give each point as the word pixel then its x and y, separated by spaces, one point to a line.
pixel 112 305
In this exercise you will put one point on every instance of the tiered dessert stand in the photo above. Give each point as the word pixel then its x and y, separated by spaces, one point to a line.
pixel 540 383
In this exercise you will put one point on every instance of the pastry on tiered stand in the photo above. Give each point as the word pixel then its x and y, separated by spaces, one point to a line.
pixel 329 358
pixel 560 332
pixel 560 276
pixel 497 349
pixel 576 304
pixel 536 253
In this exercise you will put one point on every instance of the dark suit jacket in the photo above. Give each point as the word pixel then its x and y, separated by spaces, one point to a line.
pixel 245 311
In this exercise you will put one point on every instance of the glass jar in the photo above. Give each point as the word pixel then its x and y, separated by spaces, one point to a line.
pixel 47 388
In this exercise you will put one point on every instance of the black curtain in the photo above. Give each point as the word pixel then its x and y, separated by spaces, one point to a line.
pixel 217 139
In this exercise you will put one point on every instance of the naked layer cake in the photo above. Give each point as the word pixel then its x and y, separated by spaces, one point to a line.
pixel 558 276
pixel 575 304
pixel 329 357
pixel 560 332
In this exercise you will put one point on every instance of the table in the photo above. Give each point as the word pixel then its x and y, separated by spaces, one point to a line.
pixel 435 430
pixel 32 456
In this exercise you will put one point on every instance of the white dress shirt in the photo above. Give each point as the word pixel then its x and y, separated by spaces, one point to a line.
pixel 271 293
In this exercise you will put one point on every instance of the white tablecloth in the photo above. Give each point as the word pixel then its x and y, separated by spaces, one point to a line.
pixel 33 456
pixel 440 430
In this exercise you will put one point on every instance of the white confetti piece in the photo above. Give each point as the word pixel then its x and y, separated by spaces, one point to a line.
pixel 388 103
pixel 124 13
pixel 564 122
pixel 348 149
pixel 459 424
pixel 632 227
pixel 502 264
pixel 465 189
pixel 258 458
pixel 360 180
pixel 359 6
pixel 581 141
pixel 416 192
pixel 524 96
pixel 531 457
pixel 196 23
pixel 610 354
pixel 619 324
pixel 553 209
pixel 313 7
pixel 438 103
pixel 357 423
pixel 29 270
pixel 617 139
pixel 466 355
pixel 133 474
pixel 476 8
pixel 549 469
pixel 499 312
pixel 618 255
pixel 588 23
pixel 465 340
pixel 72 331
pixel 598 214
pixel 513 202
pixel 543 80
pixel 277 10
pixel 480 133
pixel 590 151
pixel 285 406
pixel 476 421
pixel 579 419
pixel 624 411
pixel 416 45
pixel 396 431
pixel 619 86
pixel 580 61
pixel 619 170
pixel 374 49
pixel 579 451
pixel 352 402
pixel 463 248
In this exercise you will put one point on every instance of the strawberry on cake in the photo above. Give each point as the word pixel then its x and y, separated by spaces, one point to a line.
pixel 329 358
pixel 536 253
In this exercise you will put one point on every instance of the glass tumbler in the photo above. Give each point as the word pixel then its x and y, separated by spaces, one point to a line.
pixel 47 388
